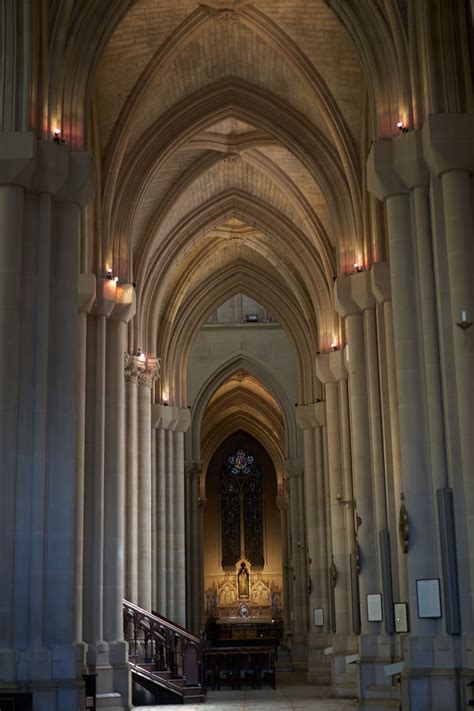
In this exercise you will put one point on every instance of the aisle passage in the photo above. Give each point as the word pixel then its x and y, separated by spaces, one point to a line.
pixel 291 694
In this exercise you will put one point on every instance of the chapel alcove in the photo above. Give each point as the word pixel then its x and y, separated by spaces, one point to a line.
pixel 242 541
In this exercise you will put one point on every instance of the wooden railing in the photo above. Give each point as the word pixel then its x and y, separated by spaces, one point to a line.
pixel 154 639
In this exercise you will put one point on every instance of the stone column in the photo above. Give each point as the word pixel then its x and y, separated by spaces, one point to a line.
pixel 132 369
pixel 39 240
pixel 369 502
pixel 174 422
pixel 330 369
pixel 310 419
pixel 282 505
pixel 339 562
pixel 86 299
pixel 193 548
pixel 170 514
pixel 361 455
pixel 161 570
pixel 146 379
pixel 179 586
pixel 448 150
pixel 299 612
pixel 380 279
pixel 422 559
pixel 12 204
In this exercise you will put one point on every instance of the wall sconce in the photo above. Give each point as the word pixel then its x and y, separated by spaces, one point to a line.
pixel 357 267
pixel 401 127
pixel 334 346
pixel 464 324
pixel 341 502
pixel 57 136
pixel 165 399
pixel 110 275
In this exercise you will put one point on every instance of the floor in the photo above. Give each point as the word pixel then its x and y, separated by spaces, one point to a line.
pixel 291 694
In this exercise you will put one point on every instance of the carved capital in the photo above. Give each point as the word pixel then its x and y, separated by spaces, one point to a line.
pixel 141 371
pixel 149 374
pixel 131 368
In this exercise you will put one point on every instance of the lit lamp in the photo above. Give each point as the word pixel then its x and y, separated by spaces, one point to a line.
pixel 401 127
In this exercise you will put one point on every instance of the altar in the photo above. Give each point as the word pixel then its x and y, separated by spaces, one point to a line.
pixel 244 608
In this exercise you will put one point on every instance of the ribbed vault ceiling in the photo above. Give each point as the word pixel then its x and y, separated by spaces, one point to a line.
pixel 231 139
pixel 243 403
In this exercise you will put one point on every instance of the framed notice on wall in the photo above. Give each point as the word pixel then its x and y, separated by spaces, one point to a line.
pixel 319 617
pixel 429 598
pixel 400 612
pixel 374 608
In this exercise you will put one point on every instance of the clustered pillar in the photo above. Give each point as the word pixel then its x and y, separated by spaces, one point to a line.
pixel 170 424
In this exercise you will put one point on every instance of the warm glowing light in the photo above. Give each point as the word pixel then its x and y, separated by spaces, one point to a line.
pixel 334 346
pixel 165 398
pixel 116 279
pixel 142 357
pixel 400 124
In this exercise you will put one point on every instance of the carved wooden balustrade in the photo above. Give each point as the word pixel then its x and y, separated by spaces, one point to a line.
pixel 154 639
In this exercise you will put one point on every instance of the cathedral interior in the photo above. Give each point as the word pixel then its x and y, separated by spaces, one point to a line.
pixel 236 372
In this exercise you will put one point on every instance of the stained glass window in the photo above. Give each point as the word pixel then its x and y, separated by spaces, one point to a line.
pixel 230 514
pixel 241 500
pixel 240 462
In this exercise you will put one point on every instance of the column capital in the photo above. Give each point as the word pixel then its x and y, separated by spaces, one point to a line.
pixel 86 292
pixel 79 186
pixel 343 301
pixel 132 367
pixel 17 158
pixel 331 367
pixel 382 180
pixel 448 142
pixel 167 417
pixel 408 159
pixel 294 467
pixel 310 416
pixel 380 281
pixel 149 372
pixel 46 167
pixel 116 301
pixel 125 303
pixel 362 291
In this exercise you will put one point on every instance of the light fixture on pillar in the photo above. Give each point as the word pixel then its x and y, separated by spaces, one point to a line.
pixel 349 502
pixel 334 346
pixel 357 267
pixel 401 127
pixel 57 136
pixel 109 273
pixel 141 356
pixel 165 398
pixel 464 323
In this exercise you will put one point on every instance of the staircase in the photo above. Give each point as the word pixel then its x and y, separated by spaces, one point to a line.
pixel 166 660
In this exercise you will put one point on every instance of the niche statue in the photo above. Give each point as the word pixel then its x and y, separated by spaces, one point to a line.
pixel 243 581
